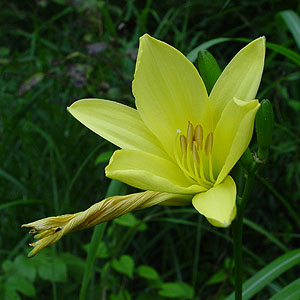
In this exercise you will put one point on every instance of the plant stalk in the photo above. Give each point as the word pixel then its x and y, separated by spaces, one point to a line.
pixel 238 237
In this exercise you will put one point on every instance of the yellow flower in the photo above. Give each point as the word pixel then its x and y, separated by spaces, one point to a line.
pixel 179 144
pixel 179 139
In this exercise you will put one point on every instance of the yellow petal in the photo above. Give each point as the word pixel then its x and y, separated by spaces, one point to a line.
pixel 149 172
pixel 240 78
pixel 117 123
pixel 168 90
pixel 232 135
pixel 218 204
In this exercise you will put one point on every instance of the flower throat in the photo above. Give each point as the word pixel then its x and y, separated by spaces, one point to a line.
pixel 193 154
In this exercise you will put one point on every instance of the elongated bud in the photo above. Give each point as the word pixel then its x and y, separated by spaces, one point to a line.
pixel 208 69
pixel 264 124
pixel 49 230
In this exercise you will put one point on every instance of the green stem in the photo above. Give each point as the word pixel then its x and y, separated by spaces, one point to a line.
pixel 113 189
pixel 238 237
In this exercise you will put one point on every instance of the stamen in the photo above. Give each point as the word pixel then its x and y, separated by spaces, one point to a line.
pixel 196 155
pixel 190 135
pixel 189 161
pixel 183 144
pixel 209 143
pixel 210 167
pixel 198 167
pixel 193 156
pixel 208 152
pixel 181 159
pixel 199 136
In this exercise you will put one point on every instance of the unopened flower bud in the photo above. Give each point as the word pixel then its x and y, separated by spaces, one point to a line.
pixel 264 124
pixel 208 69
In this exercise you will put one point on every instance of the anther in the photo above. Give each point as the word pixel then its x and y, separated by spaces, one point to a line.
pixel 199 136
pixel 209 143
pixel 183 144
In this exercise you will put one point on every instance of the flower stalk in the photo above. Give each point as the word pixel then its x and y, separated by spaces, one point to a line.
pixel 238 236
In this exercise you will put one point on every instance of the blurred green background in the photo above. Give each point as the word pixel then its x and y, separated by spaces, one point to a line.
pixel 55 52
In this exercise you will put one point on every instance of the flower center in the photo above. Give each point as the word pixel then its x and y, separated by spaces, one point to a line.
pixel 193 154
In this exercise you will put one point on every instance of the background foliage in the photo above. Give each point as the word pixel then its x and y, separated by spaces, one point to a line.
pixel 55 52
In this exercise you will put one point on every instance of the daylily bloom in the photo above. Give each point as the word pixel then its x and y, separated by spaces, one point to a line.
pixel 179 144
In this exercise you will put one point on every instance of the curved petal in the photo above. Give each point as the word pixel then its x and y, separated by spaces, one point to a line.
pixel 233 135
pixel 218 204
pixel 149 172
pixel 168 90
pixel 117 123
pixel 240 78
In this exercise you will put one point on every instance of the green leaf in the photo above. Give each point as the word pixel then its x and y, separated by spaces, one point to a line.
pixel 123 295
pixel 7 265
pixel 290 292
pixel 288 53
pixel 54 270
pixel 21 284
pixel 294 104
pixel 103 157
pixel 268 274
pixel 25 267
pixel 218 277
pixel 147 272
pixel 10 293
pixel 176 290
pixel 102 251
pixel 4 51
pixel 129 220
pixel 50 267
pixel 124 265
pixel 292 21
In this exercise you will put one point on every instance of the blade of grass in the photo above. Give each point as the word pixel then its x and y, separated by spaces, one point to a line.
pixel 257 258
pixel 286 203
pixel 13 180
pixel 268 274
pixel 192 56
pixel 51 144
pixel 113 189
pixel 19 202
pixel 290 54
pixel 76 176
pixel 268 235
pixel 290 292
pixel 292 22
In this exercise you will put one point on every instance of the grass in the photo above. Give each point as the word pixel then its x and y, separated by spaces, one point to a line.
pixel 55 52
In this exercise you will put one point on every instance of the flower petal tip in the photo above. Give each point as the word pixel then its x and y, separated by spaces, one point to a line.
pixel 259 42
pixel 145 36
